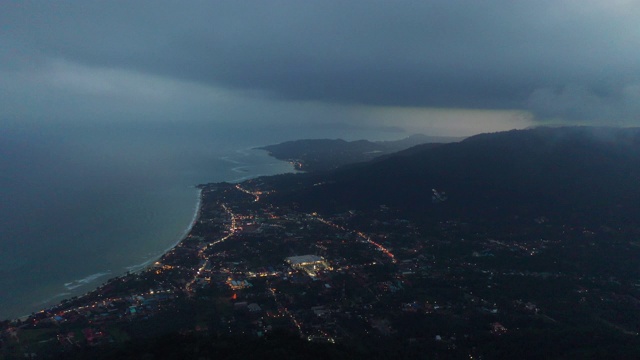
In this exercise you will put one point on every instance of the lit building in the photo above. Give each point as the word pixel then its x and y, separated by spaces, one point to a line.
pixel 308 263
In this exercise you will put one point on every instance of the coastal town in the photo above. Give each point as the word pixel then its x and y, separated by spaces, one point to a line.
pixel 248 268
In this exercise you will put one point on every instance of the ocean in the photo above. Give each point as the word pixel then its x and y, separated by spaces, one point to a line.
pixel 81 203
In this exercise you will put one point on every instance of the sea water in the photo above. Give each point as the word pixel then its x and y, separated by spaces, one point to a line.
pixel 81 204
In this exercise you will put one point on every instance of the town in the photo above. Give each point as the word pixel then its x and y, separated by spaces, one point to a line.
pixel 249 268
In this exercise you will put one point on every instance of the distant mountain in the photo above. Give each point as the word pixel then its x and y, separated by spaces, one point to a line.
pixel 573 172
pixel 326 154
pixel 417 139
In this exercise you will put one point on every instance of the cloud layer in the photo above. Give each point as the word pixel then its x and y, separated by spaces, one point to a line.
pixel 562 59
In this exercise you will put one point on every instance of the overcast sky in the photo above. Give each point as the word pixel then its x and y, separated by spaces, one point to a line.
pixel 446 67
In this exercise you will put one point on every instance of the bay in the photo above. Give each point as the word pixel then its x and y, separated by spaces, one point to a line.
pixel 83 202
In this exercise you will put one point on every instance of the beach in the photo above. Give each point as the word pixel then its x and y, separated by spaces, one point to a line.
pixel 119 232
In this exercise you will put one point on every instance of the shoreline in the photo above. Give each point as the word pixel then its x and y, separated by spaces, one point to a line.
pixel 198 207
pixel 194 219
pixel 134 269
pixel 293 169
pixel 139 268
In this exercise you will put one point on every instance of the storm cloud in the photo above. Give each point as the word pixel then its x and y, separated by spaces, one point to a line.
pixel 558 59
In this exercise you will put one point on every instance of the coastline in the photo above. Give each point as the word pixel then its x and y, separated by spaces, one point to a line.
pixel 258 149
pixel 50 302
pixel 194 219
pixel 198 207
pixel 196 215
pixel 134 269
pixel 56 301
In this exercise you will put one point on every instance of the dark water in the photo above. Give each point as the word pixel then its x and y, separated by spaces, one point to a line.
pixel 82 203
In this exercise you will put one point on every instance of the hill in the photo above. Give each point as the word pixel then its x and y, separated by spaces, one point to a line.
pixel 577 173
pixel 326 154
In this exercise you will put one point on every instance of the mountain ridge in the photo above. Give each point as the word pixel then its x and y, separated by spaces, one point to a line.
pixel 588 168
pixel 329 154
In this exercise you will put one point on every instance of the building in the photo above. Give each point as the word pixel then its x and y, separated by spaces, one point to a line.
pixel 308 263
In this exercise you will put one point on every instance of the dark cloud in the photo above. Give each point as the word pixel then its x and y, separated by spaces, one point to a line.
pixel 551 57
